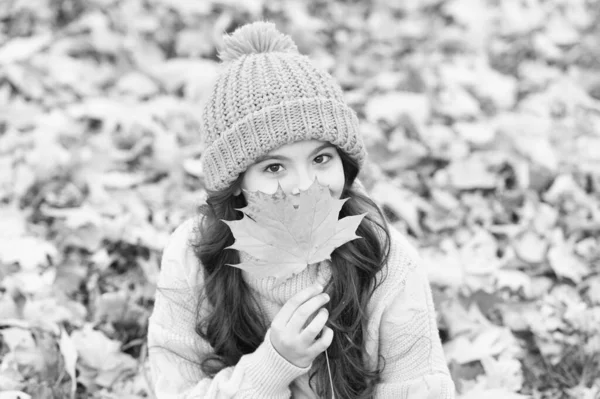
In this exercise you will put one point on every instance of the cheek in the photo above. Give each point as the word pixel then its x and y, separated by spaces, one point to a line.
pixel 250 180
pixel 334 178
pixel 254 180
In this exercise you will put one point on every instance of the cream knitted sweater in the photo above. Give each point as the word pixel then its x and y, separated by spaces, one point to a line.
pixel 401 328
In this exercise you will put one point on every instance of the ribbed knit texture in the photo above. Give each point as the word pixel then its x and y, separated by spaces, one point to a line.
pixel 269 95
pixel 401 327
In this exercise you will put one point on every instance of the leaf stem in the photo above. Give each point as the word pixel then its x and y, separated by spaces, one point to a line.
pixel 329 371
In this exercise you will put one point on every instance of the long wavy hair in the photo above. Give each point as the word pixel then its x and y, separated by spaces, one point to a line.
pixel 232 327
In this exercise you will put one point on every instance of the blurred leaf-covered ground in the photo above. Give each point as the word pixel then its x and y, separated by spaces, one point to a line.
pixel 482 119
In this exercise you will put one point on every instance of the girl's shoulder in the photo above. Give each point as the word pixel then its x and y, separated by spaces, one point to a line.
pixel 181 239
pixel 403 258
pixel 178 257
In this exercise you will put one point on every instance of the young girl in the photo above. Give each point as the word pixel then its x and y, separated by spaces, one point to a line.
pixel 218 332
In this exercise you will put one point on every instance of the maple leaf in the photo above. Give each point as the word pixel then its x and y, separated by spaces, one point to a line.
pixel 283 234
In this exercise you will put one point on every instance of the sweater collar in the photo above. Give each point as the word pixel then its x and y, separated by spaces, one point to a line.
pixel 265 288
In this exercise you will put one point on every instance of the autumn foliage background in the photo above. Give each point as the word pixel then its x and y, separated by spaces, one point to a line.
pixel 482 120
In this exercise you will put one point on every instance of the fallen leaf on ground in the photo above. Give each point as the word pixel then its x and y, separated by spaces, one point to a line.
pixel 564 262
pixel 103 361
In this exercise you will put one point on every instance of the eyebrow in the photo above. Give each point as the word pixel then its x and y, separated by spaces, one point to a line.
pixel 283 158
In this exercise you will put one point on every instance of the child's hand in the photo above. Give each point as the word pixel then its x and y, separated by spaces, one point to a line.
pixel 299 345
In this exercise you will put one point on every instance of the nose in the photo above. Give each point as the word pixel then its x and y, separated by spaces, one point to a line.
pixel 303 181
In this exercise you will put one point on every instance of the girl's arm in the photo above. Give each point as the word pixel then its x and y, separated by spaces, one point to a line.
pixel 415 365
pixel 175 350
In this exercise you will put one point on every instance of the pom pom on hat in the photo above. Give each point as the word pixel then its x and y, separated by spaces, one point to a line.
pixel 258 37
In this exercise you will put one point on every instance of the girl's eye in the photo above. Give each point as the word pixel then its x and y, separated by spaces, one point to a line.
pixel 319 159
pixel 273 168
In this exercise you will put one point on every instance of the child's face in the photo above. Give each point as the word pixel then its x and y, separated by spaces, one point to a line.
pixel 295 166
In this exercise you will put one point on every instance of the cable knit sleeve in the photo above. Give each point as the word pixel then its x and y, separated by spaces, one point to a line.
pixel 175 350
pixel 415 366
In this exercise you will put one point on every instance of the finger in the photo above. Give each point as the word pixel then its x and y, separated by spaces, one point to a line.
pixel 314 328
pixel 287 310
pixel 322 343
pixel 306 310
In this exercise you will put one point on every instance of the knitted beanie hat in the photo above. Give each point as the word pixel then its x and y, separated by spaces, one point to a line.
pixel 268 95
